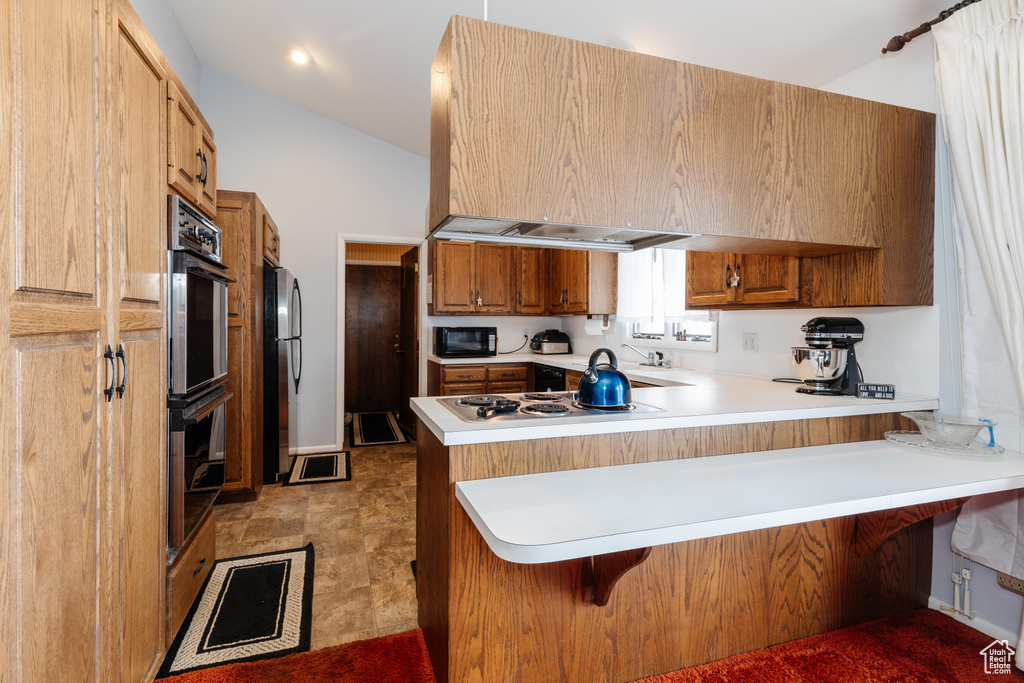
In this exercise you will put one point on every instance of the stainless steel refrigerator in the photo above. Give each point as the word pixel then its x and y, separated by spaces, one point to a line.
pixel 282 369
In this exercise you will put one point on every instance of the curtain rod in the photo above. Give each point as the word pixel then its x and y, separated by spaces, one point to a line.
pixel 897 42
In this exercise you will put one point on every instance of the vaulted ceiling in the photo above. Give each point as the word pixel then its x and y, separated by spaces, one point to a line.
pixel 371 58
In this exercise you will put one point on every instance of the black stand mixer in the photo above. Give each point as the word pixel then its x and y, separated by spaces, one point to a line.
pixel 828 365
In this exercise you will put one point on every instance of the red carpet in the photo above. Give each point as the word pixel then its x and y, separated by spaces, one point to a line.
pixel 922 647
pixel 400 658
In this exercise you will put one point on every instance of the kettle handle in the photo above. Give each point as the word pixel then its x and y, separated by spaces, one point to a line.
pixel 591 372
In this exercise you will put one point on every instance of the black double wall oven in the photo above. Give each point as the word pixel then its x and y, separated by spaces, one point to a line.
pixel 197 348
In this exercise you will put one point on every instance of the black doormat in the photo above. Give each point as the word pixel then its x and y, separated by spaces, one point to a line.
pixel 318 468
pixel 376 429
pixel 249 608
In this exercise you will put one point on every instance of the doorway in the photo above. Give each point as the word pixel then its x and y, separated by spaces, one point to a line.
pixel 381 331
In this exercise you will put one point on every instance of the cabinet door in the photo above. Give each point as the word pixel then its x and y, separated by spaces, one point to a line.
pixel 183 154
pixel 494 278
pixel 576 265
pixel 59 514
pixel 767 279
pixel 531 280
pixel 454 277
pixel 707 278
pixel 463 389
pixel 140 406
pixel 206 184
pixel 572 380
pixel 556 280
pixel 271 241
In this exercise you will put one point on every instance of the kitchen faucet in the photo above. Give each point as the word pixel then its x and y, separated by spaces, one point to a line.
pixel 655 359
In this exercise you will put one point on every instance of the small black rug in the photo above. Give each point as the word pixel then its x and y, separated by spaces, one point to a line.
pixel 376 429
pixel 249 608
pixel 318 468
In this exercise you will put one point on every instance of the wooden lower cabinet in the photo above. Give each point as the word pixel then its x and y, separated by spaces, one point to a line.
pixel 244 223
pixel 190 569
pixel 485 619
pixel 491 378
pixel 572 380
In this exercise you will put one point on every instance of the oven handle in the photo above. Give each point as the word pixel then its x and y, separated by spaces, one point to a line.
pixel 203 270
pixel 180 422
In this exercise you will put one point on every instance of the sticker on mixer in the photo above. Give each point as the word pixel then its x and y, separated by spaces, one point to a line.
pixel 886 391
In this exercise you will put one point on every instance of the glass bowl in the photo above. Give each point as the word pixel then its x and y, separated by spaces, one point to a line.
pixel 947 429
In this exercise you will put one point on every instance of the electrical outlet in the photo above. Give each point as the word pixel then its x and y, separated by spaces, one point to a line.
pixel 750 341
pixel 1011 583
pixel 526 332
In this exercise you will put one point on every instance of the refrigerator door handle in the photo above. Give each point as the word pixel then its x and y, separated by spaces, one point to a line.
pixel 297 363
pixel 296 312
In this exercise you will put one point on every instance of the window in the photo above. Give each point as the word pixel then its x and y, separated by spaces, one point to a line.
pixel 652 301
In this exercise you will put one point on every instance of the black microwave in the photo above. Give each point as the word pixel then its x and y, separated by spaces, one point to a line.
pixel 465 342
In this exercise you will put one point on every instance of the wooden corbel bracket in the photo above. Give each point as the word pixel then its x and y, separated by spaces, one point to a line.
pixel 602 572
pixel 873 528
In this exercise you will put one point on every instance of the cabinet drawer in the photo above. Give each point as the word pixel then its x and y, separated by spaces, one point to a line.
pixel 188 573
pixel 462 388
pixel 506 373
pixel 463 373
pixel 507 387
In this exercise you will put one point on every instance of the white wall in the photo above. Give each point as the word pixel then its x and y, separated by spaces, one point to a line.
pixel 318 179
pixel 162 23
pixel 907 78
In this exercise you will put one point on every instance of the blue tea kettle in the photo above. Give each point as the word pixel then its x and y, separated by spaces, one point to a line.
pixel 603 386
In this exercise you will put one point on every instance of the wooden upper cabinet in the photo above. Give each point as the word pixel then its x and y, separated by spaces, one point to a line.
pixel 207 182
pixel 453 267
pixel 556 280
pixel 183 154
pixel 707 278
pixel 745 164
pixel 582 282
pixel 531 265
pixel 576 275
pixel 271 241
pixel 494 278
pixel 191 153
pixel 715 279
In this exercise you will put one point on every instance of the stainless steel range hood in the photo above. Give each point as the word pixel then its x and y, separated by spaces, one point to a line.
pixel 555 235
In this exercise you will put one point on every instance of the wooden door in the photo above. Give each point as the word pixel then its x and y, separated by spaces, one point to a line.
pixel 140 252
pixel 454 277
pixel 183 155
pixel 531 280
pixel 707 278
pixel 372 328
pixel 206 184
pixel 556 280
pixel 494 278
pixel 408 342
pixel 59 517
pixel 767 279
pixel 577 280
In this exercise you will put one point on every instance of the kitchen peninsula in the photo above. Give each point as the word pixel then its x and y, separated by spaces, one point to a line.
pixel 640 610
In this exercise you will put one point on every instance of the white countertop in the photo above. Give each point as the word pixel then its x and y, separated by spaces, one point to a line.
pixel 556 516
pixel 714 398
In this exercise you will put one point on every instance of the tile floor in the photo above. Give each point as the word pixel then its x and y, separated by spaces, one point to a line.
pixel 364 535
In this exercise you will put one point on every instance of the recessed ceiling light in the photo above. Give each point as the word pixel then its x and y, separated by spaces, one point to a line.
pixel 299 56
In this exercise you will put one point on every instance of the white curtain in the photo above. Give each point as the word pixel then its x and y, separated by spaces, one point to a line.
pixel 980 66
pixel 652 286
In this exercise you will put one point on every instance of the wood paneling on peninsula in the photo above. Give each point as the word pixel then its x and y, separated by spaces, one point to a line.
pixel 529 127
pixel 486 619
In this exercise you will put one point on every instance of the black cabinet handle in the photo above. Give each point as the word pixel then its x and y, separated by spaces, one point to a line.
pixel 198 569
pixel 109 391
pixel 199 176
pixel 728 283
pixel 124 364
pixel 206 169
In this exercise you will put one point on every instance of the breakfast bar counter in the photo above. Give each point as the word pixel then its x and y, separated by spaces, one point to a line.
pixel 749 579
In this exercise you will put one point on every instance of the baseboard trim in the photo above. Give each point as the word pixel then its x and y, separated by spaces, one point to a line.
pixel 986 627
pixel 306 450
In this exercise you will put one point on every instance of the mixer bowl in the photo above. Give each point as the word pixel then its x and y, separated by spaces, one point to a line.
pixel 819 366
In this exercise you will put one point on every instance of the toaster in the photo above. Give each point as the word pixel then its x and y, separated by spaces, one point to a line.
pixel 550 342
